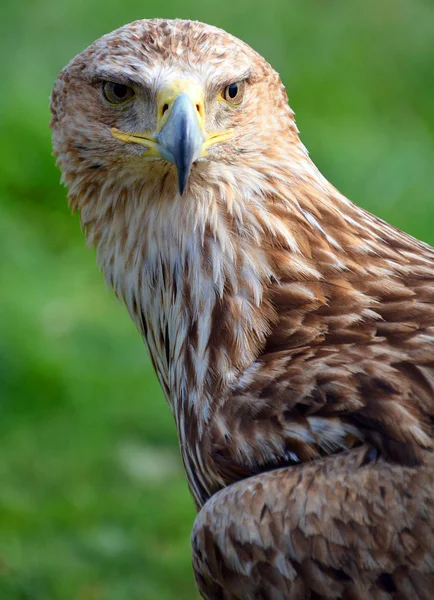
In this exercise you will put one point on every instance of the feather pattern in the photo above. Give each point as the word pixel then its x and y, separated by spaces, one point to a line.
pixel 291 331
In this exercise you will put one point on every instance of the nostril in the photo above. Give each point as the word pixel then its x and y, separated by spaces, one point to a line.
pixel 165 107
pixel 198 109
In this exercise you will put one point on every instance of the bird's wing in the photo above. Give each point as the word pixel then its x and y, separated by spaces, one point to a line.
pixel 339 527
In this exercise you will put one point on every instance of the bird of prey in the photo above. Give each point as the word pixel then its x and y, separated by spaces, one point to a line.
pixel 291 331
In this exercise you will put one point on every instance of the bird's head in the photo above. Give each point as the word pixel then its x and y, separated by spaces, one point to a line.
pixel 167 103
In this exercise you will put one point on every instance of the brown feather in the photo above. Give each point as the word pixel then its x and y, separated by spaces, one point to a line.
pixel 292 332
pixel 342 527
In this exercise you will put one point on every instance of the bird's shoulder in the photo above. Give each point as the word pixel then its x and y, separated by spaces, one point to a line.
pixel 349 358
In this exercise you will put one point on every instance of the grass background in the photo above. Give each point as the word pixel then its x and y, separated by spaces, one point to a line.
pixel 93 502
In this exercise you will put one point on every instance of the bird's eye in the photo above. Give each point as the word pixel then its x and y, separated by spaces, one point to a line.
pixel 117 93
pixel 233 93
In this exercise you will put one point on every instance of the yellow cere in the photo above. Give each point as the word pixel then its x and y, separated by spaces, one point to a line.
pixel 168 95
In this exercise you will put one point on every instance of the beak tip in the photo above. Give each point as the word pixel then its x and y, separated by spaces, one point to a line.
pixel 183 176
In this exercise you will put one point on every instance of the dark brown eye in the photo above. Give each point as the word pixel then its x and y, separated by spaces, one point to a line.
pixel 117 93
pixel 233 93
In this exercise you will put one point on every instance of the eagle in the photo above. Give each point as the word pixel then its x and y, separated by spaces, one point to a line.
pixel 291 331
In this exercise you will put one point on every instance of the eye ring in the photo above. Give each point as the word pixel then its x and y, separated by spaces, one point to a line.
pixel 233 93
pixel 117 94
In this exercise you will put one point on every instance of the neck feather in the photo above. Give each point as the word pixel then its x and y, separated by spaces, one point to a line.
pixel 195 272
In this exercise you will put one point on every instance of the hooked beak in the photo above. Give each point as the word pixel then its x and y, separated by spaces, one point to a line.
pixel 180 136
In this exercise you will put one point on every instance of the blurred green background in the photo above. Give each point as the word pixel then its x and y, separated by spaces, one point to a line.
pixel 93 502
